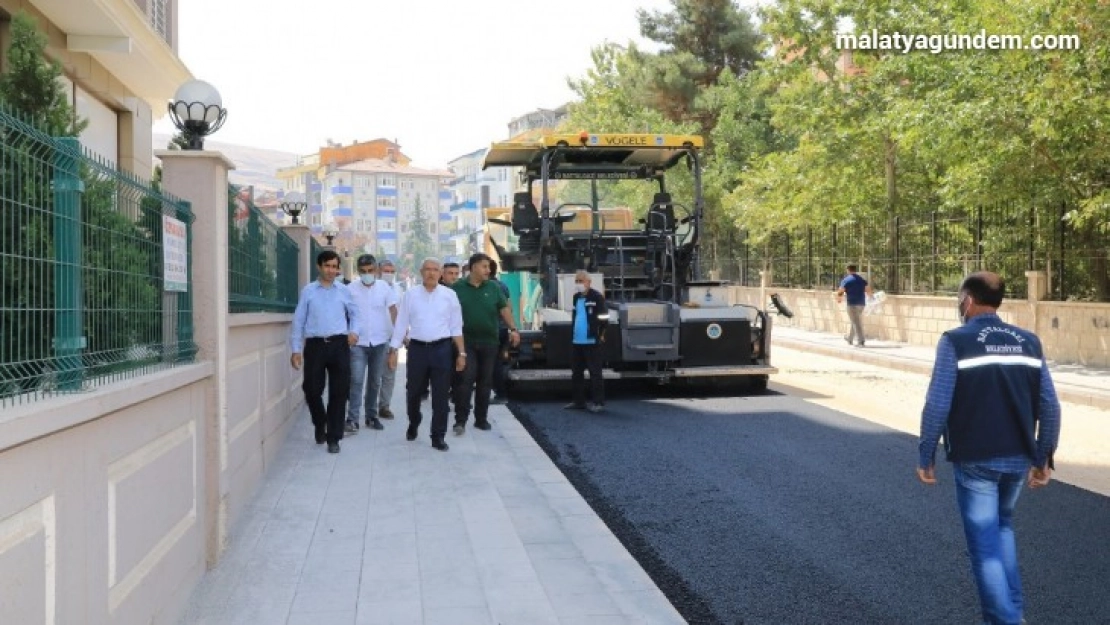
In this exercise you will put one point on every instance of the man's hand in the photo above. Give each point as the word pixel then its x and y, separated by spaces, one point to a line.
pixel 514 338
pixel 296 361
pixel 927 475
pixel 460 362
pixel 352 339
pixel 391 360
pixel 1039 476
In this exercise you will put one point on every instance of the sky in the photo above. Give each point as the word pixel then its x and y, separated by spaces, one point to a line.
pixel 442 77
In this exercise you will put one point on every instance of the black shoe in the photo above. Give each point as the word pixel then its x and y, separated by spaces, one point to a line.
pixel 440 445
pixel 574 406
pixel 459 429
pixel 321 435
pixel 385 413
pixel 410 434
pixel 374 424
pixel 498 400
pixel 483 425
pixel 333 448
pixel 351 428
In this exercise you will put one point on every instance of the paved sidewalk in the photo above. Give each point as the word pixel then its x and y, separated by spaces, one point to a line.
pixel 394 532
pixel 1088 386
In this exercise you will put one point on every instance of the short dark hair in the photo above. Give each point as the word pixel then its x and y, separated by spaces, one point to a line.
pixel 985 287
pixel 325 256
pixel 477 258
pixel 492 268
pixel 450 264
pixel 367 259
pixel 851 267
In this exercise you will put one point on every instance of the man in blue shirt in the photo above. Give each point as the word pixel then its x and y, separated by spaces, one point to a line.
pixel 589 318
pixel 857 289
pixel 324 329
pixel 992 398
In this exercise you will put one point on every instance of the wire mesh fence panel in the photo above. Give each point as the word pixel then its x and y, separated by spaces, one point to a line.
pixel 83 251
pixel 262 259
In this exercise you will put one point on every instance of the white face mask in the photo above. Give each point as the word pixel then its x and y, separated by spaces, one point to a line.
pixel 367 278
pixel 389 277
pixel 579 288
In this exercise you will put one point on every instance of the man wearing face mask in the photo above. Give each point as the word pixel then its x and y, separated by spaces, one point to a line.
pixel 385 393
pixel 992 398
pixel 377 305
pixel 589 318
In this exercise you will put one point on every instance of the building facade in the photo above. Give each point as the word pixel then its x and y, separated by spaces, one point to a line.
pixel 472 191
pixel 120 64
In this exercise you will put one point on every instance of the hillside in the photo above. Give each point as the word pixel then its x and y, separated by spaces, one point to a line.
pixel 253 166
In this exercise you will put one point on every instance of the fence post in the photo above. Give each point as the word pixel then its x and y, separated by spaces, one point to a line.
pixel 933 261
pixel 69 299
pixel 301 236
pixel 200 178
pixel 1063 248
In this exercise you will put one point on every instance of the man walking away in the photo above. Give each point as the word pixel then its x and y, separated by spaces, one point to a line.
pixel 377 305
pixel 482 305
pixel 857 290
pixel 431 319
pixel 992 398
pixel 324 328
pixel 385 393
pixel 589 318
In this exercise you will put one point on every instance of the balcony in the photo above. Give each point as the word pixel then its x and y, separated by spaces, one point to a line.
pixel 446 217
pixel 446 195
pixel 342 211
pixel 316 209
pixel 386 235
pixel 386 213
pixel 342 190
pixel 386 191
pixel 467 205
pixel 315 186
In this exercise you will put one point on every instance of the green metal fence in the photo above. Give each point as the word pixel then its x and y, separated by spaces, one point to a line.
pixel 931 253
pixel 262 259
pixel 84 298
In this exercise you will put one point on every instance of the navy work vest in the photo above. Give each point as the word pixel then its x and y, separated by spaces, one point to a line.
pixel 998 387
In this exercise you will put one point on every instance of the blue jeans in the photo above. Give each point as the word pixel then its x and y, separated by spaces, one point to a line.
pixel 987 499
pixel 362 358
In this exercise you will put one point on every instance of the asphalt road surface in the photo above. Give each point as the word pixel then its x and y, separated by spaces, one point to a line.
pixel 769 509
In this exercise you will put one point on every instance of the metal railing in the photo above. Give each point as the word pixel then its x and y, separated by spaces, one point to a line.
pixel 84 253
pixel 931 253
pixel 262 259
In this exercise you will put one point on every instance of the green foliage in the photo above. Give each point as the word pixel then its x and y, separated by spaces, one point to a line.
pixel 31 87
pixel 420 243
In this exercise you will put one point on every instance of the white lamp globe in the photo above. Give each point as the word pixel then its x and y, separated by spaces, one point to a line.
pixel 198 92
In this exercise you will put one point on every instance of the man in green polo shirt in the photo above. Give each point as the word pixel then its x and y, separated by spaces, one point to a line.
pixel 482 304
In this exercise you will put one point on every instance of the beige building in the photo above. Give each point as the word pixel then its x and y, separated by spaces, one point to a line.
pixel 121 67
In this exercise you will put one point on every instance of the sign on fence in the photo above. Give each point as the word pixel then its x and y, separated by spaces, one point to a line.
pixel 175 255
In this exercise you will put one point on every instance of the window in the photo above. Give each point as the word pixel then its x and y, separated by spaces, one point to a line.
pixel 387 202
pixel 387 181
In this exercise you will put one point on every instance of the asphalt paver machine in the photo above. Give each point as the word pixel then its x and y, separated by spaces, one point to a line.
pixel 666 323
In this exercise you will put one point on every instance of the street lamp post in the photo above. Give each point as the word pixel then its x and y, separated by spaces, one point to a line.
pixel 330 233
pixel 197 111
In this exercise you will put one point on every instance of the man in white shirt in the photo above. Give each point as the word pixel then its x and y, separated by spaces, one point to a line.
pixel 377 305
pixel 385 394
pixel 431 318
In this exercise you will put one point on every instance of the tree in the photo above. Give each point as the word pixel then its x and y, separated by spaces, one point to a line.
pixel 32 88
pixel 420 243
pixel 701 39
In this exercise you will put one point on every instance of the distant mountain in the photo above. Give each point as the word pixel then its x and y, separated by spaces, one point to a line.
pixel 253 166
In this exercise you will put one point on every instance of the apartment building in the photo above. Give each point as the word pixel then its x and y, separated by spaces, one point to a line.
pixel 121 67
pixel 472 191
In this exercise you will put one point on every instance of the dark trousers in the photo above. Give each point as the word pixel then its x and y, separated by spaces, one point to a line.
pixel 327 363
pixel 501 368
pixel 429 363
pixel 586 358
pixel 477 378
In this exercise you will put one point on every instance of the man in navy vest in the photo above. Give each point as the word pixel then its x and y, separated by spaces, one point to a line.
pixel 992 399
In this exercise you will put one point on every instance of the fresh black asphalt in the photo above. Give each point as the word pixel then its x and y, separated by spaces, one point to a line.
pixel 768 509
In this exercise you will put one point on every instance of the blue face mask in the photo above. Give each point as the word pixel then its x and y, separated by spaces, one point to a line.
pixel 367 278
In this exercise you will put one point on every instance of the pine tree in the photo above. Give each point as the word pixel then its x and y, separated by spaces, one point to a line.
pixel 31 88
pixel 420 243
